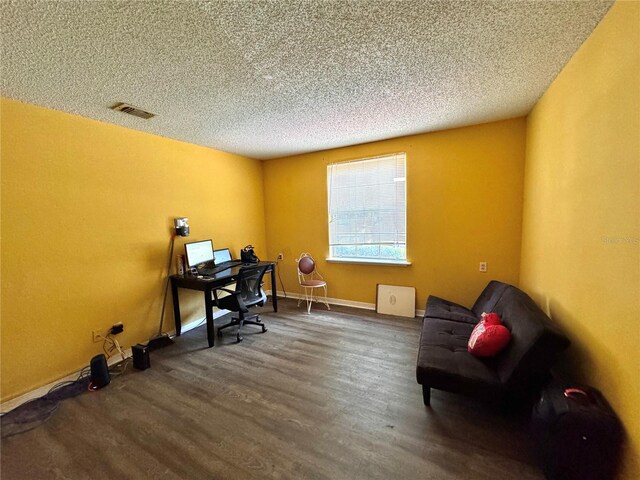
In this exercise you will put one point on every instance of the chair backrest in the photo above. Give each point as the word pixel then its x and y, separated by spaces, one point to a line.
pixel 249 285
pixel 247 291
pixel 307 267
pixel 306 264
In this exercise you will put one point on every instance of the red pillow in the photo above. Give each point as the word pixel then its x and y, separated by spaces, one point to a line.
pixel 486 319
pixel 491 318
pixel 488 340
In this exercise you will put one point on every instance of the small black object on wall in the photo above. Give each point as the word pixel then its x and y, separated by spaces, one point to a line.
pixel 99 372
pixel 181 225
pixel 141 359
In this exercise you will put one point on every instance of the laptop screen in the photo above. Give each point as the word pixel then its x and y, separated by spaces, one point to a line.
pixel 222 255
pixel 198 252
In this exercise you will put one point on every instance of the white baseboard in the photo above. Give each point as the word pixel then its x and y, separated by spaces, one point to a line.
pixel 342 302
pixel 39 392
pixel 197 323
pixel 332 301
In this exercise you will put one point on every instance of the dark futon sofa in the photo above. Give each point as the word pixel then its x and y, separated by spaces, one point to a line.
pixel 445 364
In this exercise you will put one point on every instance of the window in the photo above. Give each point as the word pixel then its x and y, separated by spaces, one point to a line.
pixel 368 209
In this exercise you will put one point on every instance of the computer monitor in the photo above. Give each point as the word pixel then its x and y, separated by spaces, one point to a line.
pixel 198 253
pixel 222 255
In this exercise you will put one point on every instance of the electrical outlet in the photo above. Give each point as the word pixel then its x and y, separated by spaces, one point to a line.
pixel 97 336
pixel 281 256
pixel 483 267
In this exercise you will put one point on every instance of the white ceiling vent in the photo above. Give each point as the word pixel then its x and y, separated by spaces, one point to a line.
pixel 131 110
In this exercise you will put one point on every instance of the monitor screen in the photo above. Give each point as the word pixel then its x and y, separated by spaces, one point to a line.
pixel 222 255
pixel 198 252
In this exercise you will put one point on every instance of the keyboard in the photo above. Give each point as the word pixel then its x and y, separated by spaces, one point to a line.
pixel 220 268
pixel 232 263
pixel 208 271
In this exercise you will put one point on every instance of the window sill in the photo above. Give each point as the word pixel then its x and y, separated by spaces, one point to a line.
pixel 368 261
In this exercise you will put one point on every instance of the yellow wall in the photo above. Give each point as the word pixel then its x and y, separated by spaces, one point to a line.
pixel 464 197
pixel 581 232
pixel 87 210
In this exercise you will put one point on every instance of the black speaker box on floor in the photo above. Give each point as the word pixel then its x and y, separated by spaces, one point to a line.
pixel 99 372
pixel 141 359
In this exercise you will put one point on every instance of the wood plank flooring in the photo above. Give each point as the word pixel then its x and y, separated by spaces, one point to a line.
pixel 331 395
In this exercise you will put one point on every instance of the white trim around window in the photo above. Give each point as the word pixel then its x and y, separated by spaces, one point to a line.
pixel 367 206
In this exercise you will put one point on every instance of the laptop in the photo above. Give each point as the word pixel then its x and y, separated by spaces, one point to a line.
pixel 199 255
pixel 223 259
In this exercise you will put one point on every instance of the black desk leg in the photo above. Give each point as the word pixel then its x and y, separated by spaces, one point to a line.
pixel 208 305
pixel 274 293
pixel 176 308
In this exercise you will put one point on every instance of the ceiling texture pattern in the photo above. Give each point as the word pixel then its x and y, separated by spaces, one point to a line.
pixel 269 79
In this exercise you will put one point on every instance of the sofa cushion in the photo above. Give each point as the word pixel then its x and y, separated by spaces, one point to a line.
pixel 445 363
pixel 440 308
pixel 489 297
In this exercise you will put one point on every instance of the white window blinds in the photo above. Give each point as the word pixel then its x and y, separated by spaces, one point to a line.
pixel 368 208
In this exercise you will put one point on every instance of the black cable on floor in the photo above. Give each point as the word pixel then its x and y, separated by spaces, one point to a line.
pixel 35 412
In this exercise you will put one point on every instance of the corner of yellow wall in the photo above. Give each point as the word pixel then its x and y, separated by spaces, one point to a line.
pixel 581 221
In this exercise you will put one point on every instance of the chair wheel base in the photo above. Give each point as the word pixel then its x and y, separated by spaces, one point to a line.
pixel 240 323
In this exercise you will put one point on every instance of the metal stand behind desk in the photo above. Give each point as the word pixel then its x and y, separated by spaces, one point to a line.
pixel 206 285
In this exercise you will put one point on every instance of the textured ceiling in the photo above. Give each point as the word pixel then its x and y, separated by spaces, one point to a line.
pixel 269 79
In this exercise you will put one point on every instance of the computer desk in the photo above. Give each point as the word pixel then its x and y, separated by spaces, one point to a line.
pixel 206 285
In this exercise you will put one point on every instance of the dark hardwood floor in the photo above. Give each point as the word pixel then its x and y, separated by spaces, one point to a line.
pixel 331 395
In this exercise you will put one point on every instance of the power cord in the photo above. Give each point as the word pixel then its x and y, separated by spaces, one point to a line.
pixel 112 347
pixel 36 411
pixel 280 278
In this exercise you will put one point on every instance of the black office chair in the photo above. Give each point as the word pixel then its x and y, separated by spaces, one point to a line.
pixel 248 293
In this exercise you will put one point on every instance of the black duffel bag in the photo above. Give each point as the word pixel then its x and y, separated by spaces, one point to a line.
pixel 577 434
